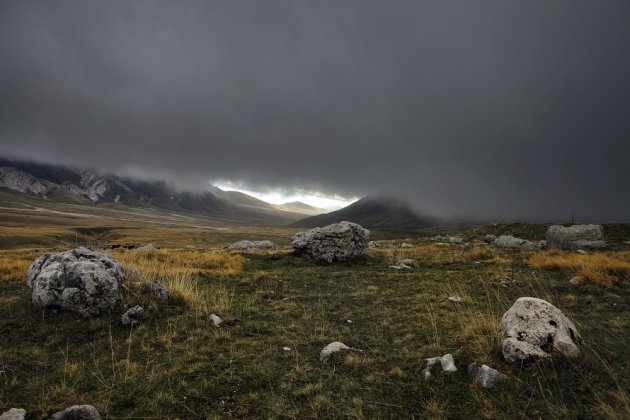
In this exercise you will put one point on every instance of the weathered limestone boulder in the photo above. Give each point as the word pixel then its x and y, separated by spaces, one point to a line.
pixel 532 328
pixel 338 242
pixel 575 237
pixel 14 414
pixel 80 280
pixel 508 241
pixel 82 412
pixel 252 246
pixel 485 376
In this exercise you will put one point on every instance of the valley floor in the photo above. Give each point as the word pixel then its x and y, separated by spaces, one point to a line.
pixel 177 365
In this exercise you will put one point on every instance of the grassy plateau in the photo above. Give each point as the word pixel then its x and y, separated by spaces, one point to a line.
pixel 177 365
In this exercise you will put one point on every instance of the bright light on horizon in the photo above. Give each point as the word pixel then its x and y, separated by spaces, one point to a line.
pixel 324 202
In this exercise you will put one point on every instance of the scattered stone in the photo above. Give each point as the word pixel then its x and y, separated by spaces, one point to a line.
pixel 542 244
pixel 400 266
pixel 503 282
pixel 216 320
pixel 349 321
pixel 408 262
pixel 532 328
pixel 489 238
pixel 576 237
pixel 286 348
pixel 577 280
pixel 160 291
pixel 252 246
pixel 455 240
pixel 133 315
pixel 76 412
pixel 485 376
pixel 446 362
pixel 80 280
pixel 406 245
pixel 331 349
pixel 338 242
pixel 373 244
pixel 581 252
pixel 456 299
pixel 147 247
pixel 508 241
pixel 13 414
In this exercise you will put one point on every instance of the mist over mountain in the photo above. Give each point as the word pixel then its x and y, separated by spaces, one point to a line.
pixel 375 212
pixel 491 110
pixel 68 184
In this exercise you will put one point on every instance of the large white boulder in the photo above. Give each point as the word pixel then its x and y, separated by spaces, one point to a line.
pixel 575 237
pixel 338 242
pixel 80 280
pixel 533 328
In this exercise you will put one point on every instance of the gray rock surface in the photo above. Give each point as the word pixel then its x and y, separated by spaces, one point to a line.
pixel 77 412
pixel 532 328
pixel 485 376
pixel 80 280
pixel 575 237
pixel 446 363
pixel 508 241
pixel 159 290
pixel 400 266
pixel 13 414
pixel 489 238
pixel 331 349
pixel 252 246
pixel 408 262
pixel 338 242
pixel 133 315
pixel 216 320
pixel 147 247
pixel 542 244
pixel 455 299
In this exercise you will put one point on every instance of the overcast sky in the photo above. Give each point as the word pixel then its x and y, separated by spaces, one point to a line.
pixel 496 109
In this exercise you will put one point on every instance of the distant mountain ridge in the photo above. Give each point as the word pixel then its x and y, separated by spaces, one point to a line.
pixel 373 212
pixel 57 182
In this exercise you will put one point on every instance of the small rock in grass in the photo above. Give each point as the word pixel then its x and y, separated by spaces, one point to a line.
pixel 160 291
pixel 286 348
pixel 485 376
pixel 13 414
pixel 581 252
pixel 133 315
pixel 455 299
pixel 408 262
pixel 331 349
pixel 216 321
pixel 446 362
pixel 577 280
pixel 349 321
pixel 400 267
pixel 82 412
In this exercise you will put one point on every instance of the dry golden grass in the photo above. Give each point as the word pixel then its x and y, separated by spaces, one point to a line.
pixel 172 263
pixel 15 262
pixel 599 268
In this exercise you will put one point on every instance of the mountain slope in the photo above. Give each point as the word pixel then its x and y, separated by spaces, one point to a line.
pixel 64 184
pixel 375 212
pixel 299 207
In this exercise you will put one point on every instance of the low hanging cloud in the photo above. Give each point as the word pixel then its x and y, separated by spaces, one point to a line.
pixel 493 110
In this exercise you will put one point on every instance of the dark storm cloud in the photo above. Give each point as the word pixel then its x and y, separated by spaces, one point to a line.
pixel 495 109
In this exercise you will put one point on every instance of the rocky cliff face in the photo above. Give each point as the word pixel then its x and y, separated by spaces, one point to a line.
pixel 91 185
